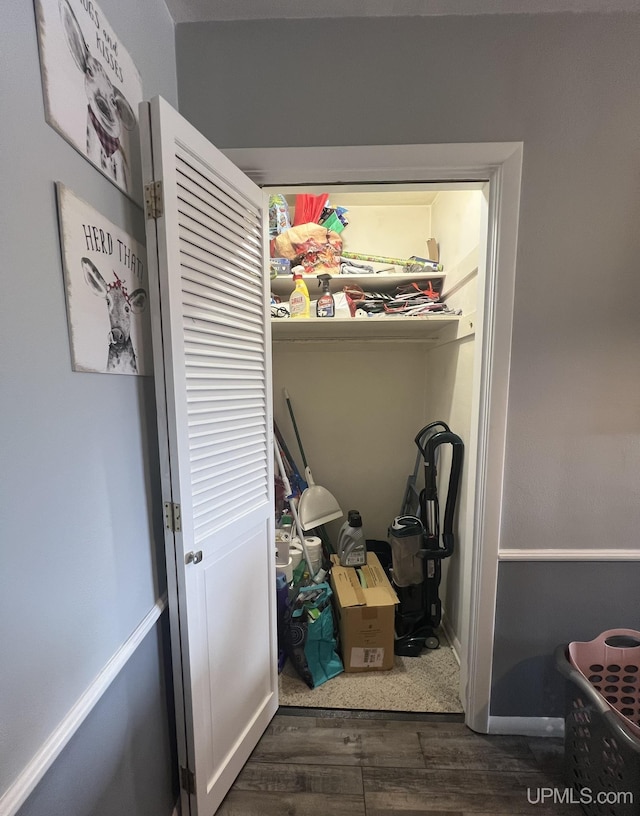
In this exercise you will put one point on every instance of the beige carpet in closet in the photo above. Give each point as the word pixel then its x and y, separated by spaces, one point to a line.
pixel 428 683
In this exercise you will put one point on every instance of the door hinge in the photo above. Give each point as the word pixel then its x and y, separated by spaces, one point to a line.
pixel 153 200
pixel 172 518
pixel 187 780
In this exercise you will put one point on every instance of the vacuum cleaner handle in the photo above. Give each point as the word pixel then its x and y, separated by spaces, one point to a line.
pixel 428 430
pixel 430 490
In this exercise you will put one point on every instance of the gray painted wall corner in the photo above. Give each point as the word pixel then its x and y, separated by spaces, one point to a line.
pixel 122 758
pixel 542 605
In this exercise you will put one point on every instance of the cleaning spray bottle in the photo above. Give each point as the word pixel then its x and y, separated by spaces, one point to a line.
pixel 299 302
pixel 325 305
pixel 352 545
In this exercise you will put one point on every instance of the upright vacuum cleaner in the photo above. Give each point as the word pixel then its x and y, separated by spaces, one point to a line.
pixel 418 546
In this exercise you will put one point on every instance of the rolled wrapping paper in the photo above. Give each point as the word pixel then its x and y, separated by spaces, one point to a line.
pixel 285 569
pixel 423 263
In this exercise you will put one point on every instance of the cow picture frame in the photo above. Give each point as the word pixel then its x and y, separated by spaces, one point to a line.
pixel 91 89
pixel 106 290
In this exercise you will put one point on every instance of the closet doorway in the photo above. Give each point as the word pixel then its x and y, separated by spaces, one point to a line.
pixel 470 364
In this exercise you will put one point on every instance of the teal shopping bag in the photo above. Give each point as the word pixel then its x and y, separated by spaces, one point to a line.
pixel 310 637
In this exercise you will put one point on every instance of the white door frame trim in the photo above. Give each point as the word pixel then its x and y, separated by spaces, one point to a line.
pixel 501 165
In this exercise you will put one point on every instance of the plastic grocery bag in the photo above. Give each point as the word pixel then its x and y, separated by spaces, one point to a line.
pixel 310 638
pixel 315 247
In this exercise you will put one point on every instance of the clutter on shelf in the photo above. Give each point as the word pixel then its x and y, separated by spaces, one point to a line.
pixel 311 244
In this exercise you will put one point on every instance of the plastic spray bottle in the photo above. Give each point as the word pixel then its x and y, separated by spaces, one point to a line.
pixel 299 302
pixel 352 545
pixel 325 305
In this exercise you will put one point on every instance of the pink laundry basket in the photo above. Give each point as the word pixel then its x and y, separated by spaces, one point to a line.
pixel 611 663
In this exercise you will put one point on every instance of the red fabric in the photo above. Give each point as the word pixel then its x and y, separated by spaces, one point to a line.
pixel 109 144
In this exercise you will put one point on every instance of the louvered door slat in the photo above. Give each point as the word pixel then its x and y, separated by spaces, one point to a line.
pixel 228 479
pixel 206 513
pixel 215 255
pixel 195 350
pixel 224 338
pixel 212 203
pixel 205 218
pixel 204 277
pixel 206 298
pixel 230 428
pixel 239 211
pixel 215 247
pixel 217 267
pixel 197 309
pixel 200 321
pixel 199 406
pixel 194 256
pixel 212 313
pixel 204 421
pixel 204 471
pixel 197 332
pixel 205 516
pixel 205 351
pixel 205 449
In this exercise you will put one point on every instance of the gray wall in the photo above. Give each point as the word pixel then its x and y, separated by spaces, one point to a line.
pixel 81 555
pixel 541 605
pixel 120 760
pixel 565 85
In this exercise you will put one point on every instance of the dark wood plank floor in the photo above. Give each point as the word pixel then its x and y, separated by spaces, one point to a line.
pixel 311 763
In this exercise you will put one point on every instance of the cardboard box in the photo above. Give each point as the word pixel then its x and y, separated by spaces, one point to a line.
pixel 365 605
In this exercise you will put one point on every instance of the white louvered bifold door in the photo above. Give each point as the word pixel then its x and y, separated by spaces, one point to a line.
pixel 213 385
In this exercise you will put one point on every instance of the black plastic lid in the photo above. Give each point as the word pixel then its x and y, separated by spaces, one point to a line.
pixel 354 519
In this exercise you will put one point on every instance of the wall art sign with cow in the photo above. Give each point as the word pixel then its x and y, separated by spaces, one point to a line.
pixel 105 276
pixel 91 88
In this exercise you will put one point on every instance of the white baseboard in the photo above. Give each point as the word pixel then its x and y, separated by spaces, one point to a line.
pixel 17 793
pixel 527 726
pixel 569 555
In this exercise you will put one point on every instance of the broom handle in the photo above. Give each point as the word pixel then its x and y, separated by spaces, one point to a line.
pixel 292 506
pixel 295 428
pixel 321 530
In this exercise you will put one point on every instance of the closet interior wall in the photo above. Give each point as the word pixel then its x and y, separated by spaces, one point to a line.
pixel 456 220
pixel 359 404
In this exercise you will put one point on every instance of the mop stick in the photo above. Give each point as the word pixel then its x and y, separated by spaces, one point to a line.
pixel 292 506
pixel 324 536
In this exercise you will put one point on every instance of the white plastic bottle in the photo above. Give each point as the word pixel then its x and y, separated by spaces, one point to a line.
pixel 352 545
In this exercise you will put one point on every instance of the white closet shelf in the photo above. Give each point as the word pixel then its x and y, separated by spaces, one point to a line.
pixel 384 327
pixel 283 284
